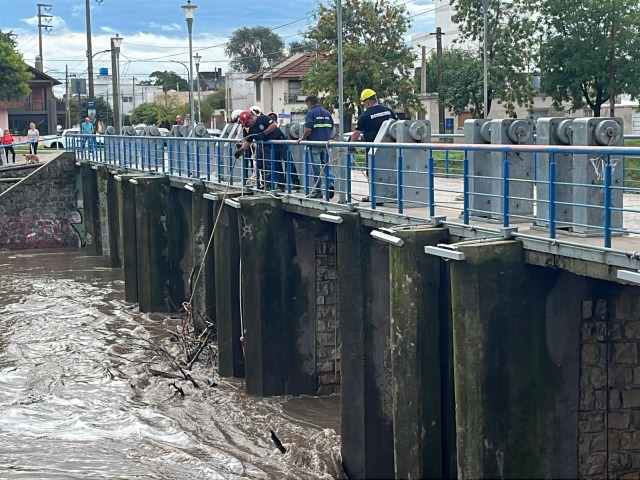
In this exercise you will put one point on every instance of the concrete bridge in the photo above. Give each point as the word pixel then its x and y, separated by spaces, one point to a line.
pixel 462 345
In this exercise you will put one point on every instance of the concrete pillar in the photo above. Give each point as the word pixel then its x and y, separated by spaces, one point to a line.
pixel 152 243
pixel 108 213
pixel 93 239
pixel 421 384
pixel 226 250
pixel 203 278
pixel 507 386
pixel 263 251
pixel 363 306
pixel 127 215
pixel 179 226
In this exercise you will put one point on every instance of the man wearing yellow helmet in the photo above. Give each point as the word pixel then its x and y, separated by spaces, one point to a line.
pixel 372 118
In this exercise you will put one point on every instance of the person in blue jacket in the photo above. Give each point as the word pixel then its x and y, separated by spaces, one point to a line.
pixel 318 126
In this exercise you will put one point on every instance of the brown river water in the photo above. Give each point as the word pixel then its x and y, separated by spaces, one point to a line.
pixel 77 400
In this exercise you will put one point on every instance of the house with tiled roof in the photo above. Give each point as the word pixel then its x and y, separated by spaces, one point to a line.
pixel 278 86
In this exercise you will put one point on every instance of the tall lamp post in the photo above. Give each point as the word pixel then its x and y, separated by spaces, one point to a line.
pixel 197 58
pixel 485 9
pixel 189 12
pixel 116 42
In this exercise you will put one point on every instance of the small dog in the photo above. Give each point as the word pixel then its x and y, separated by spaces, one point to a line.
pixel 31 158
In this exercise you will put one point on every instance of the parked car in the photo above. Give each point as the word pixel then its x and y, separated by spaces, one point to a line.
pixel 214 132
pixel 64 141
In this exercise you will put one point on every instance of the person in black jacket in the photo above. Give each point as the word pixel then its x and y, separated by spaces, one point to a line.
pixel 262 128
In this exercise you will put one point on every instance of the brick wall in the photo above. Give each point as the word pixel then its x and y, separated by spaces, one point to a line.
pixel 609 417
pixel 327 332
pixel 38 211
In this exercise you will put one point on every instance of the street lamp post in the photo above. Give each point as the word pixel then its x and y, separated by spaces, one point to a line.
pixel 116 42
pixel 197 58
pixel 485 9
pixel 189 12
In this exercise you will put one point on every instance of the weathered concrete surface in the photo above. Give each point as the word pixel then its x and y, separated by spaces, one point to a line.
pixel 152 243
pixel 508 384
pixel 226 248
pixel 363 314
pixel 419 351
pixel 129 237
pixel 40 210
pixel 91 206
pixel 179 230
pixel 202 279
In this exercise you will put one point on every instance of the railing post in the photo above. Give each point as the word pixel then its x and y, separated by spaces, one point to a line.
pixel 465 188
pixel 188 162
pixel 171 158
pixel 446 162
pixel 348 176
pixel 432 193
pixel 306 170
pixel 399 172
pixel 209 159
pixel 272 166
pixel 552 196
pixel 372 179
pixel 607 202
pixel 289 182
pixel 505 190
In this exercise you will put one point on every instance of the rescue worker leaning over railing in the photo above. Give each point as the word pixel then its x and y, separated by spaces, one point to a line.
pixel 263 128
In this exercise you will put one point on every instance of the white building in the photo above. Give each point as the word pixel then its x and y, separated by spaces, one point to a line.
pixel 132 93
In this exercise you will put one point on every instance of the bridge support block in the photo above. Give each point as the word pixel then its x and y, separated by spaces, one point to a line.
pixel 90 201
pixel 515 414
pixel 363 315
pixel 151 237
pixel 226 247
pixel 108 213
pixel 203 281
pixel 420 355
pixel 127 215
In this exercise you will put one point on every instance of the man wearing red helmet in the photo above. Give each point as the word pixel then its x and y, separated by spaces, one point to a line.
pixel 264 128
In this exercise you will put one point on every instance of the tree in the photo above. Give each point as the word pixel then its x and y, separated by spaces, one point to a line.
pixel 148 113
pixel 9 37
pixel 14 75
pixel 170 81
pixel 512 45
pixel 302 46
pixel 103 110
pixel 374 55
pixel 462 81
pixel 575 56
pixel 248 47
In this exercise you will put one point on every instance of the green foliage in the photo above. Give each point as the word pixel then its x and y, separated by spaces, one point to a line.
pixel 247 47
pixel 9 37
pixel 103 110
pixel 462 82
pixel 512 46
pixel 374 54
pixel 170 81
pixel 148 113
pixel 575 55
pixel 14 76
pixel 302 46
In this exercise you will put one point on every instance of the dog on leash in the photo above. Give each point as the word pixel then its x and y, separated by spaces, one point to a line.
pixel 31 158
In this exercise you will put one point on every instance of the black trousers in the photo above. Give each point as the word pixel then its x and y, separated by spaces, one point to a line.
pixel 8 149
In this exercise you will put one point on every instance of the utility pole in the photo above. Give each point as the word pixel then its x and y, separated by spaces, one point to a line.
pixel 612 71
pixel 47 18
pixel 439 73
pixel 67 108
pixel 89 51
pixel 423 71
pixel 133 94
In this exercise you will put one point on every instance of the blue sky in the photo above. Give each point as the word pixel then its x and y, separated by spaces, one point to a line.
pixel 155 31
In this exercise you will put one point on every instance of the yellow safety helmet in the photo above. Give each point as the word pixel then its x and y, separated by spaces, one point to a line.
pixel 366 94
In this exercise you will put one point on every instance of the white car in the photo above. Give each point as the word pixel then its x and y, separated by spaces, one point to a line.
pixel 64 141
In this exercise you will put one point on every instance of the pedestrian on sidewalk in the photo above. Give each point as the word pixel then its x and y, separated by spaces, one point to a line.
pixel 318 126
pixel 33 135
pixel 2 133
pixel 7 144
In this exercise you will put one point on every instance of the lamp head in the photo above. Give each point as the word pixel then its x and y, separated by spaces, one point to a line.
pixel 117 41
pixel 189 10
pixel 196 58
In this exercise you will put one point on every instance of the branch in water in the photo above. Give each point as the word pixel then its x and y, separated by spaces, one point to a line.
pixel 277 442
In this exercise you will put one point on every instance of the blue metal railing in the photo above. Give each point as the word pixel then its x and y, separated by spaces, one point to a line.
pixel 409 180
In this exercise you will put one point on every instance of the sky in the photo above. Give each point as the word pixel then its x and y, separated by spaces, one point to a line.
pixel 155 31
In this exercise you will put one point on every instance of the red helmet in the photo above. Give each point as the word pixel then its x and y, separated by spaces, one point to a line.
pixel 244 116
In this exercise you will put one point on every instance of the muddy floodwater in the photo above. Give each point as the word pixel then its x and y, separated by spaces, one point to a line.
pixel 77 399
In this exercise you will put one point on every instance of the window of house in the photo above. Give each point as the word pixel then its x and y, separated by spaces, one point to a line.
pixel 295 87
pixel 258 90
pixel 127 99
